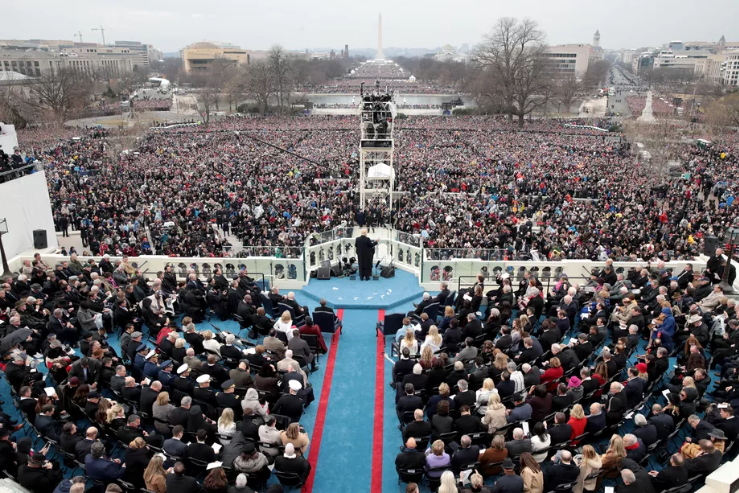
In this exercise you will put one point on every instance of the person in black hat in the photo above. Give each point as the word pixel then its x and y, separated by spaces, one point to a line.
pixel 227 398
pixel 40 475
pixel 509 482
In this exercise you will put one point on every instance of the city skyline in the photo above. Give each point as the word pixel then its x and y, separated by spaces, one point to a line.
pixel 630 25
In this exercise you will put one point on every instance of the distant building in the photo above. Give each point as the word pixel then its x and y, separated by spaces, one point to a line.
pixel 199 57
pixel 569 59
pixel 694 61
pixel 89 59
pixel 448 53
pixel 729 71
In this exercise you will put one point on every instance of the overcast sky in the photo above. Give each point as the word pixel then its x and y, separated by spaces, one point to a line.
pixel 171 25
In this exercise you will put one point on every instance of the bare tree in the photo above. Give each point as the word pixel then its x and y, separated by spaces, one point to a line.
pixel 14 105
pixel 61 92
pixel 280 64
pixel 259 84
pixel 235 89
pixel 565 89
pixel 513 54
pixel 596 73
pixel 724 112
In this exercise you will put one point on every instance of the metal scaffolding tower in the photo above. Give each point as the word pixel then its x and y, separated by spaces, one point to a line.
pixel 376 147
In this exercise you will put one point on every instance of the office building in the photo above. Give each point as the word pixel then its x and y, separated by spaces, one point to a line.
pixel 199 57
pixel 569 59
pixel 90 60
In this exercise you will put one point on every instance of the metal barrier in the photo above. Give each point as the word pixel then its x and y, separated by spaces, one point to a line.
pixel 13 174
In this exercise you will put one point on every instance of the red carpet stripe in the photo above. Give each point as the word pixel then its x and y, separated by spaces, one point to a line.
pixel 315 446
pixel 379 409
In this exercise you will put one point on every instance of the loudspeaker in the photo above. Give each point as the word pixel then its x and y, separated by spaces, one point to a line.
pixel 710 245
pixel 388 272
pixel 336 271
pixel 39 239
pixel 324 273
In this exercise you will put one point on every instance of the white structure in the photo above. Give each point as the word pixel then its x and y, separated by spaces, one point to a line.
pixel 596 39
pixel 376 148
pixel 380 54
pixel 647 116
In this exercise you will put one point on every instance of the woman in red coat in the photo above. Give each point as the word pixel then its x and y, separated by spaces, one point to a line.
pixel 577 421
pixel 552 375
pixel 312 329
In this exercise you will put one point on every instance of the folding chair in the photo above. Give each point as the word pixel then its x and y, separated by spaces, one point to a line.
pixel 409 476
pixel 289 480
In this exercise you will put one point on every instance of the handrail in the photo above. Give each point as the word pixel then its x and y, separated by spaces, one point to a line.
pixel 18 170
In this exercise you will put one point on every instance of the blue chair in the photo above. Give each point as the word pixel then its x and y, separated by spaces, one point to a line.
pixel 393 323
pixel 432 310
pixel 325 321
pixel 267 304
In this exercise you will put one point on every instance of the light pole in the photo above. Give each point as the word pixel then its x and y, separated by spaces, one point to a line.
pixel 3 230
pixel 731 236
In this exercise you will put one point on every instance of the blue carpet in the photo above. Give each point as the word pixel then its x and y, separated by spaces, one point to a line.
pixel 373 295
pixel 345 460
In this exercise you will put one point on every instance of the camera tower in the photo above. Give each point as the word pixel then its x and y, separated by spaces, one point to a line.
pixel 376 147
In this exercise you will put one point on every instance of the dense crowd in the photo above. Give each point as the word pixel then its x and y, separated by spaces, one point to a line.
pixel 557 189
pixel 660 107
pixel 158 411
pixel 508 387
pixel 399 86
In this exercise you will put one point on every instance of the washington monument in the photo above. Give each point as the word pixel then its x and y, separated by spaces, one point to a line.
pixel 380 55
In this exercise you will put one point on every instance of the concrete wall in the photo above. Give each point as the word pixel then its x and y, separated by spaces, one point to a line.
pixel 25 204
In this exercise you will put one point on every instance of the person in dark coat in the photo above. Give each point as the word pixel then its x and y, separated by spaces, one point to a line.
pixel 290 462
pixel 137 458
pixel 9 459
pixel 418 428
pixel 706 462
pixel 102 469
pixel 662 421
pixel 636 479
pixel 40 475
pixel 410 457
pixel 558 473
pixel 200 450
pixel 290 405
pixel 635 449
pixel 645 431
pixel 671 476
pixel 365 249
pixel 177 481
pixel 509 482
pixel 561 432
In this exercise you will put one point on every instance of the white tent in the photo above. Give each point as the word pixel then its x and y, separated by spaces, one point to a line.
pixel 382 171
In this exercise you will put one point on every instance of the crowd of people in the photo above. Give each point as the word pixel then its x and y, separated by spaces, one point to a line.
pixel 398 86
pixel 660 107
pixel 515 389
pixel 561 190
pixel 170 409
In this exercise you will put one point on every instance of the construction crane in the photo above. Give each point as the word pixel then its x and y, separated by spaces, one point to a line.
pixel 78 34
pixel 102 33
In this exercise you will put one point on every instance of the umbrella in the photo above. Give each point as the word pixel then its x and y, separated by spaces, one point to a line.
pixel 15 337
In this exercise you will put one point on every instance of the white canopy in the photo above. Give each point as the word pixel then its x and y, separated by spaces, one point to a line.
pixel 381 170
